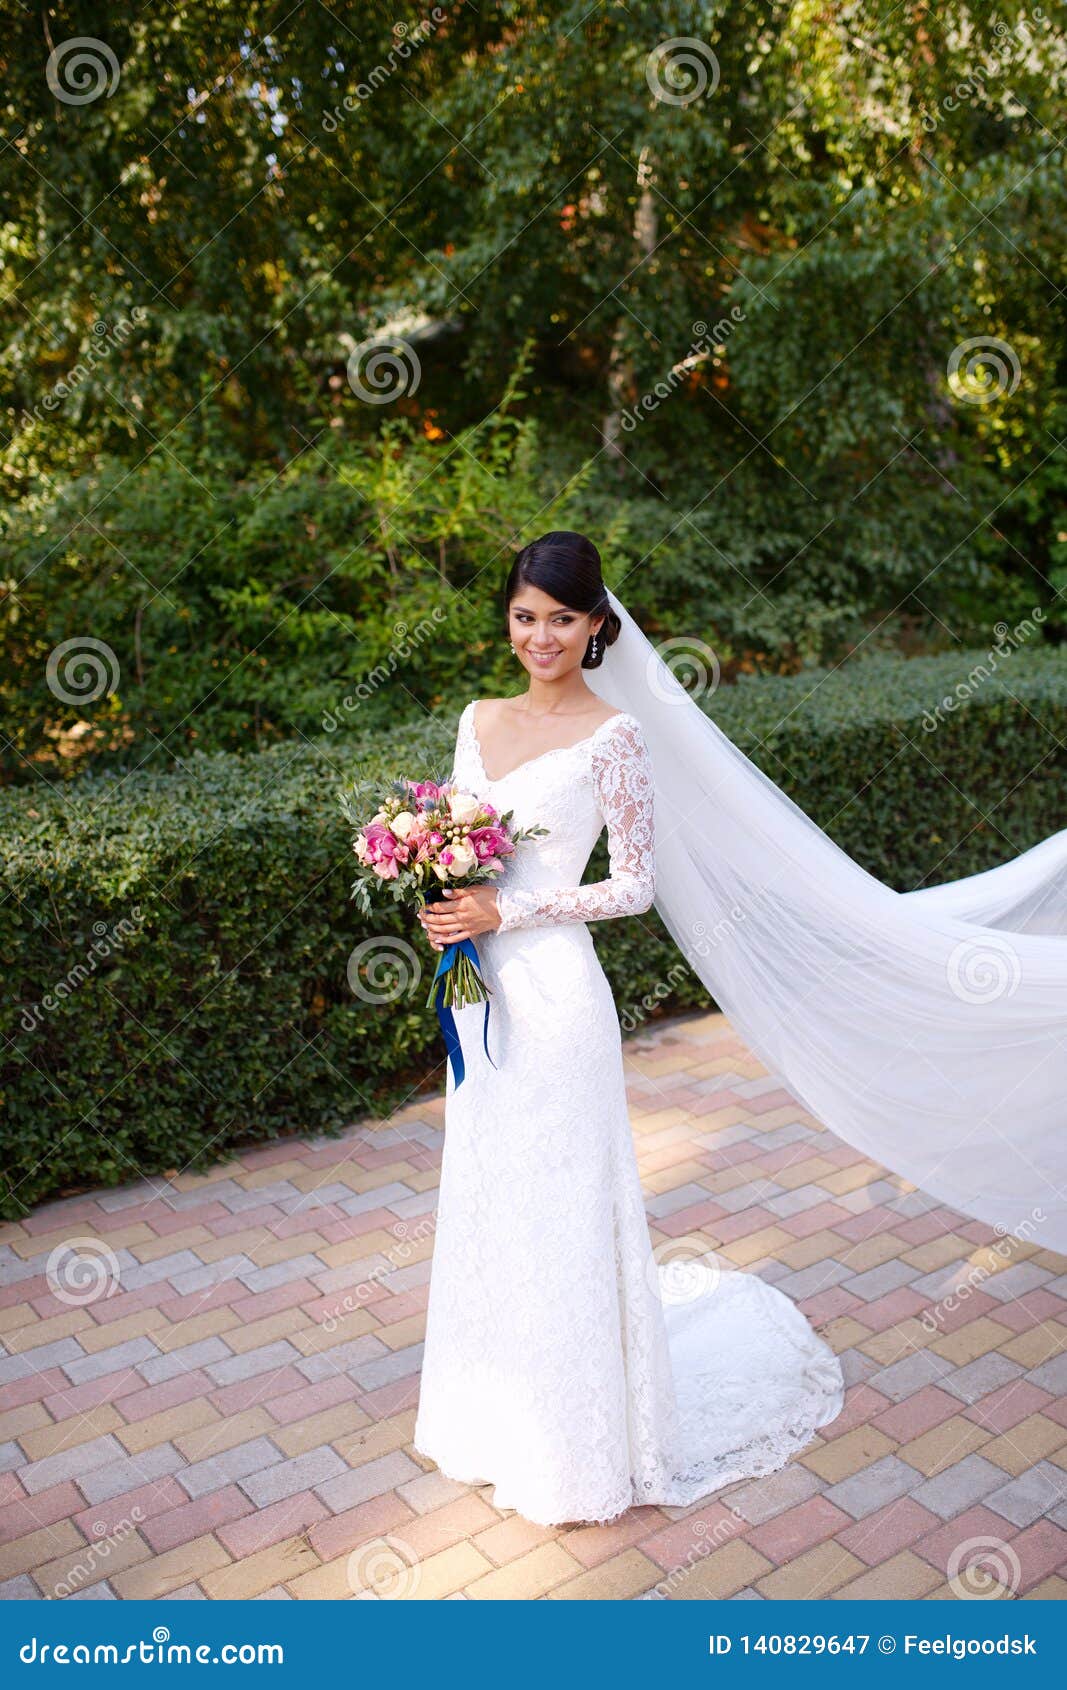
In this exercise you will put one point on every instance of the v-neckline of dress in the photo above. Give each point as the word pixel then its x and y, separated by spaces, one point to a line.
pixel 527 762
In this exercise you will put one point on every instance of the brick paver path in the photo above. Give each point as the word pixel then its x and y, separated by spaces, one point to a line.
pixel 218 1397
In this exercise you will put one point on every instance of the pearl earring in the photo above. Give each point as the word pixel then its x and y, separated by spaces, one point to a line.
pixel 510 646
pixel 593 653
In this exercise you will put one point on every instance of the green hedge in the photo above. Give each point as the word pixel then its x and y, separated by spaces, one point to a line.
pixel 216 1008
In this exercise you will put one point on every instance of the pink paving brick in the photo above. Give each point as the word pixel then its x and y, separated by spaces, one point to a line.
pixel 917 1414
pixel 389 1310
pixel 19 1518
pixel 689 1540
pixel 769 1100
pixel 894 1307
pixel 711 1102
pixel 862 1403
pixel 979 1521
pixel 593 1545
pixel 310 1399
pixel 691 1219
pixel 343 1532
pixel 308 1219
pixel 740 1225
pixel 11 1490
pixel 1007 1405
pixel 869 1223
pixel 920 1229
pixel 34 1387
pixel 102 1519
pixel 264 1526
pixel 221 1296
pixel 175 1526
pixel 1057 1411
pixel 184 1387
pixel 888 1531
pixel 976 1232
pixel 245 1218
pixel 1028 1311
pixel 820 1215
pixel 23 1291
pixel 790 1534
pixel 261 1303
pixel 125 1303
pixel 267 1155
pixel 827 1305
pixel 390 1399
pixel 263 1388
pixel 176 1220
pixel 1042 1549
pixel 82 1399
pixel 53 1219
pixel 961 1311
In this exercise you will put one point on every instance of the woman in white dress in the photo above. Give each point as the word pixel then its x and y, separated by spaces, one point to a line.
pixel 563 1362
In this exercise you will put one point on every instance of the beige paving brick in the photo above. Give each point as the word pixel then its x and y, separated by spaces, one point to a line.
pixel 24 1419
pixel 848 1454
pixel 816 1573
pixel 814 1170
pixel 844 1333
pixel 235 1244
pixel 214 1436
pixel 269 1253
pixel 715 1575
pixel 401 1333
pixel 78 1429
pixel 141 1324
pixel 870 1252
pixel 802 1252
pixel 35 1244
pixel 505 1540
pixel 1026 1444
pixel 945 1444
pixel 754 1245
pixel 1052 1589
pixel 843 1180
pixel 1040 1344
pixel 37 1332
pixel 350 1323
pixel 252 1178
pixel 380 1437
pixel 92 1562
pixel 154 1249
pixel 265 1331
pixel 527 1578
pixel 16 1315
pixel 161 1428
pixel 897 1341
pixel 901 1578
pixel 195 1329
pixel 619 1580
pixel 936 1252
pixel 164 1573
pixel 969 1342
pixel 279 1564
pixel 325 1428
pixel 25 1553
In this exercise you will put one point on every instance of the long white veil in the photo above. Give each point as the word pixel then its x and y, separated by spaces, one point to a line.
pixel 928 1029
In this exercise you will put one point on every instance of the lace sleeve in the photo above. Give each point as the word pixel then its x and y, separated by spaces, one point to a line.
pixel 625 790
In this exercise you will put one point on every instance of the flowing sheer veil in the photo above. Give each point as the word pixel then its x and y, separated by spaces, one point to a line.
pixel 928 1029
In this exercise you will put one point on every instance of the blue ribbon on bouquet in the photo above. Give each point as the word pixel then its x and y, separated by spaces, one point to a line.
pixel 444 1011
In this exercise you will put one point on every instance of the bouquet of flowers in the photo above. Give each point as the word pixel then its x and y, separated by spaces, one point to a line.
pixel 422 837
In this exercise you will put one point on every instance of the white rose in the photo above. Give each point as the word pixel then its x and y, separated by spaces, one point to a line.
pixel 402 824
pixel 463 859
pixel 463 806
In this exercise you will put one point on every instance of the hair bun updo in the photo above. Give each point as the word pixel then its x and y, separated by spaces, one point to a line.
pixel 567 567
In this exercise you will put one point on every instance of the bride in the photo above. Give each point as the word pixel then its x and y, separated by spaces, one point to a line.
pixel 563 1362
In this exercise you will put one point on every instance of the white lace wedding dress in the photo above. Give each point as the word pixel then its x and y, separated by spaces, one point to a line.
pixel 562 1362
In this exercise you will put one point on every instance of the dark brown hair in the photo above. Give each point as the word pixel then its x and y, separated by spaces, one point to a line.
pixel 566 566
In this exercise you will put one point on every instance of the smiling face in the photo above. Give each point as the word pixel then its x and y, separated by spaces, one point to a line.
pixel 549 638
